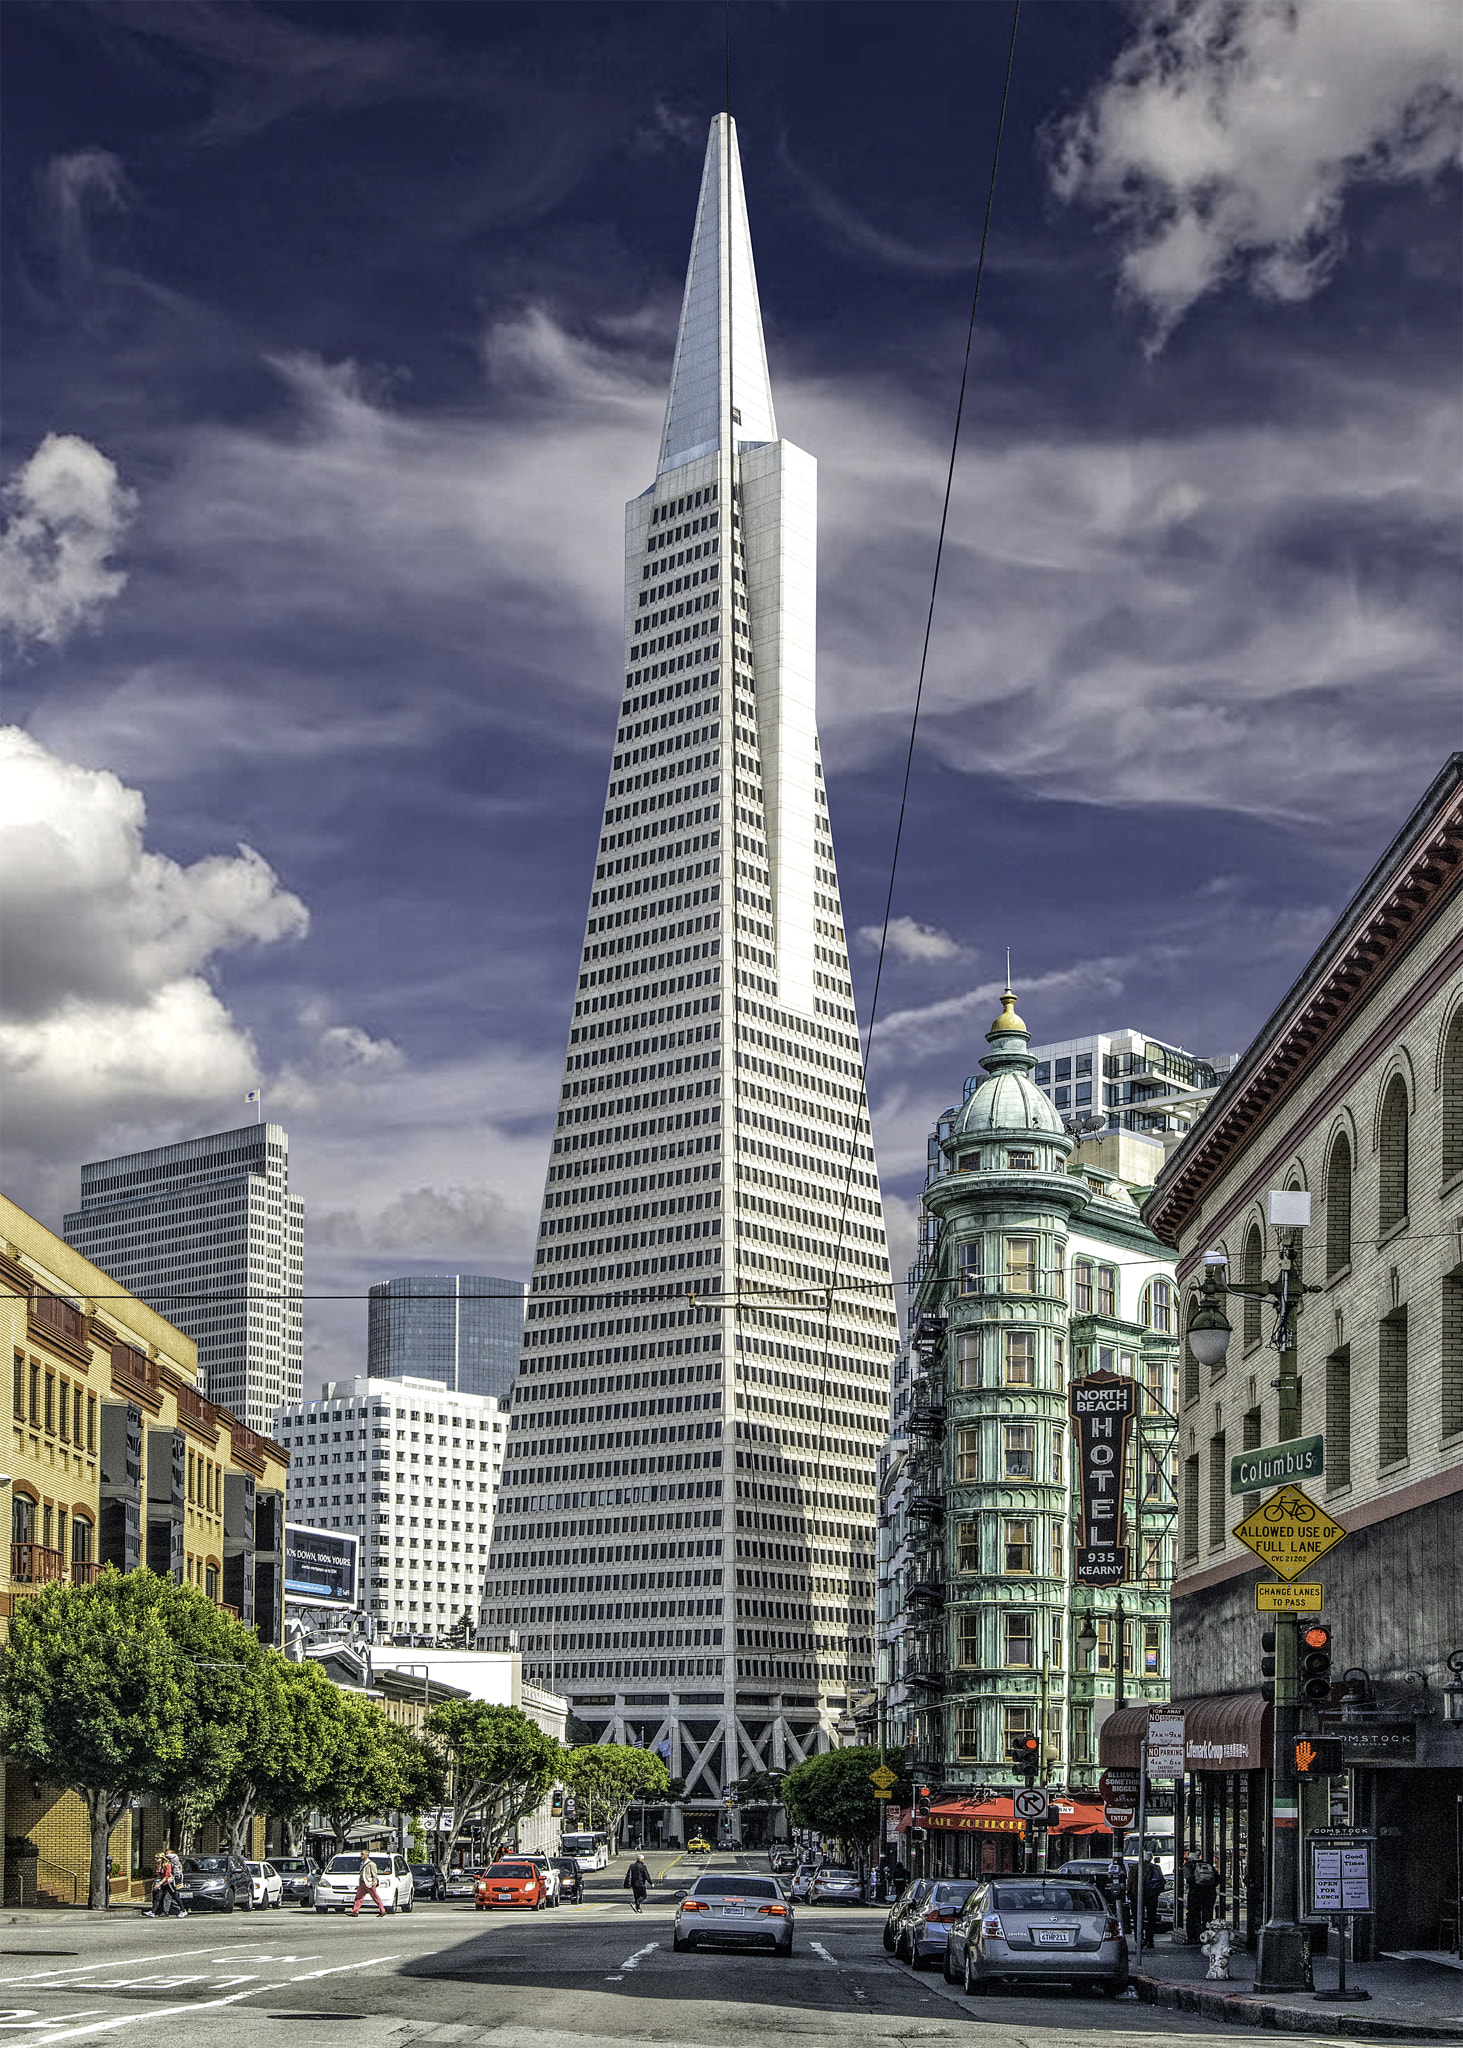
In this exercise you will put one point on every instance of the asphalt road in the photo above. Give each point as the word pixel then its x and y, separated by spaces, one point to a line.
pixel 572 1978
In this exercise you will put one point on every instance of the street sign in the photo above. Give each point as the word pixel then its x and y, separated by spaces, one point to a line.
pixel 1341 1875
pixel 880 1793
pixel 1165 1742
pixel 1118 1816
pixel 1289 1532
pixel 1030 1805
pixel 1119 1785
pixel 883 1776
pixel 1304 1457
pixel 1305 1599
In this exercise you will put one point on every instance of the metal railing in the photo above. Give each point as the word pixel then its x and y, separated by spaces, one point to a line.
pixel 57 1879
pixel 85 1571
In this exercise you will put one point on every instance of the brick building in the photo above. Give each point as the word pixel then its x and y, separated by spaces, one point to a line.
pixel 1352 1091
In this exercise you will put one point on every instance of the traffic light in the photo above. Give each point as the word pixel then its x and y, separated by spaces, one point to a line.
pixel 1267 1664
pixel 1315 1662
pixel 921 1801
pixel 556 1803
pixel 1026 1756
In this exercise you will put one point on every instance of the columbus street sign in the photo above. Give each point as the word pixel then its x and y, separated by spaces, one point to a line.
pixel 1252 1471
pixel 1289 1532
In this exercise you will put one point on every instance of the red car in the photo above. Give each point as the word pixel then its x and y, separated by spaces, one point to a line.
pixel 511 1884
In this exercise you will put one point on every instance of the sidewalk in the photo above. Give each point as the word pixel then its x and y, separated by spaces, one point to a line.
pixel 1410 2001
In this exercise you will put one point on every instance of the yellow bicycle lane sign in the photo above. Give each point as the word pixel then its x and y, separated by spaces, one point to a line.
pixel 1289 1532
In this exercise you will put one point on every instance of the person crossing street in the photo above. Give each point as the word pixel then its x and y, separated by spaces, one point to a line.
pixel 366 1886
pixel 637 1882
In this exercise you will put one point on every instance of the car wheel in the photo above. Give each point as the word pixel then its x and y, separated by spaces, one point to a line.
pixel 1112 1987
pixel 888 1942
pixel 945 1970
pixel 679 1947
pixel 277 1903
pixel 973 1985
pixel 408 1906
pixel 228 1904
pixel 783 1949
pixel 901 1950
pixel 322 1909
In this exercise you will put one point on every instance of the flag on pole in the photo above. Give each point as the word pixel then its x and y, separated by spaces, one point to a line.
pixel 252 1096
pixel 256 1096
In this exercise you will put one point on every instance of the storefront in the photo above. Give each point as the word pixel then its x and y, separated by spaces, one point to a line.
pixel 970 1838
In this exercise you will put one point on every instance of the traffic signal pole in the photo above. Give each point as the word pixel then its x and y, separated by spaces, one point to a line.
pixel 1280 1956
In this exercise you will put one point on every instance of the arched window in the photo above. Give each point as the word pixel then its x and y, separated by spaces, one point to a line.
pixel 1453 1096
pixel 1392 1201
pixel 1252 1275
pixel 1158 1306
pixel 1338 1206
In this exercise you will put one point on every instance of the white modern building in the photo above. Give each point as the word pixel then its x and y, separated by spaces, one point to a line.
pixel 412 1469
pixel 686 1528
pixel 1126 1081
pixel 207 1233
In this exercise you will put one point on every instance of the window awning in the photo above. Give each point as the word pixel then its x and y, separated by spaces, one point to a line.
pixel 1226 1732
pixel 998 1817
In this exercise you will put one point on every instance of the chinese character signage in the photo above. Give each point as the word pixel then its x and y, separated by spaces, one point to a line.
pixel 1101 1407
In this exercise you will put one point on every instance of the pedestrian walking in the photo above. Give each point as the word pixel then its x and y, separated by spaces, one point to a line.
pixel 637 1882
pixel 161 1880
pixel 1201 1889
pixel 1152 1892
pixel 366 1886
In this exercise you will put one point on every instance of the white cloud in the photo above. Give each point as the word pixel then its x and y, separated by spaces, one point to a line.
pixel 110 1021
pixel 965 1018
pixel 1224 139
pixel 909 940
pixel 66 511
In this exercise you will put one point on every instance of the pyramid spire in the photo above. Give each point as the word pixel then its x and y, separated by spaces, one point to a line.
pixel 721 359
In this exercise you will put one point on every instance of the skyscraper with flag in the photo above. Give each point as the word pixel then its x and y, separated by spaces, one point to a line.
pixel 684 1542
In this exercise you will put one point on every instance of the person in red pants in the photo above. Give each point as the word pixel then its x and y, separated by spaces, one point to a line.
pixel 366 1886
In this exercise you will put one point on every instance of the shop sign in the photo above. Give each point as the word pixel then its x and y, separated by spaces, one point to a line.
pixel 1304 1457
pixel 1341 1874
pixel 1165 1742
pixel 1101 1408
pixel 1370 1741
pixel 1119 1784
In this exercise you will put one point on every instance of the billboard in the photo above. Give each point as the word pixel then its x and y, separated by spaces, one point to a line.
pixel 319 1567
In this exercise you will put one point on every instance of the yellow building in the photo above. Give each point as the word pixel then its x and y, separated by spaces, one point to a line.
pixel 116 1458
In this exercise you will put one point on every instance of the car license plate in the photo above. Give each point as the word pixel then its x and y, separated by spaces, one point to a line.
pixel 1055 1937
pixel 735 1912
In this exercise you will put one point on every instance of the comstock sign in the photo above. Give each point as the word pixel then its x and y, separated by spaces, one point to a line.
pixel 1101 1407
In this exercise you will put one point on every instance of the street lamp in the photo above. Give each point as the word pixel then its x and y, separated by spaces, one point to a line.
pixel 1453 1691
pixel 1086 1642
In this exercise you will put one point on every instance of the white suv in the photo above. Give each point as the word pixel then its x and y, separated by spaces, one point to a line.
pixel 335 1888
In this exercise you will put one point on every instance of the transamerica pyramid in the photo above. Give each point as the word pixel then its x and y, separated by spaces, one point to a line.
pixel 684 1543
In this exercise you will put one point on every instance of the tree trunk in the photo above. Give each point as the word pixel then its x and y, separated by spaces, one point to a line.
pixel 100 1815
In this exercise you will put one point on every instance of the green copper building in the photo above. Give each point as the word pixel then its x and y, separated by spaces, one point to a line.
pixel 1031 1272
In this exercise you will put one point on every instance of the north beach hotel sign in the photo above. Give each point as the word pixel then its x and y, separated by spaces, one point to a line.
pixel 1101 1407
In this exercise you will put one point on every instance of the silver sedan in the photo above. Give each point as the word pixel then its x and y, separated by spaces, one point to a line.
pixel 726 1907
pixel 1036 1929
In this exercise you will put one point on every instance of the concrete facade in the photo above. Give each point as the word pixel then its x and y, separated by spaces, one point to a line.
pixel 685 1539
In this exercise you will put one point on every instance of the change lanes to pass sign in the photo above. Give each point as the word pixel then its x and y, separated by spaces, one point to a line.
pixel 1305 1599
pixel 1252 1471
pixel 1289 1532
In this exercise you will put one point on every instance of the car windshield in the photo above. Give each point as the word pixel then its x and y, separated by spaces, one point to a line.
pixel 347 1862
pixel 424 1870
pixel 951 1894
pixel 564 1863
pixel 837 1877
pixel 731 1885
pixel 290 1864
pixel 514 1870
pixel 1046 1898
pixel 208 1865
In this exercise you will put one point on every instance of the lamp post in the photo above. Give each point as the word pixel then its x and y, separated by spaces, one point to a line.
pixel 1280 1959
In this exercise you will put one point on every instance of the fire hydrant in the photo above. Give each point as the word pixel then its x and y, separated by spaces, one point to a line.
pixel 1217 1942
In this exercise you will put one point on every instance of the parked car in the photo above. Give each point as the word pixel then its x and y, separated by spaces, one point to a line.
pixel 298 1875
pixel 781 1859
pixel 462 1884
pixel 698 1846
pixel 427 1881
pixel 571 1879
pixel 266 1884
pixel 832 1886
pixel 912 1895
pixel 803 1877
pixel 515 1883
pixel 1052 1930
pixel 217 1883
pixel 924 1933
pixel 727 1907
pixel 335 1888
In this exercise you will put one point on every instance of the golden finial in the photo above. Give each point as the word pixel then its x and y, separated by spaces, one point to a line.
pixel 1008 1020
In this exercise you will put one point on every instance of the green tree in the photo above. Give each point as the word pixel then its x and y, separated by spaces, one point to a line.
pixel 364 1778
pixel 94 1696
pixel 759 1788
pixel 501 1765
pixel 607 1778
pixel 833 1795
pixel 292 1722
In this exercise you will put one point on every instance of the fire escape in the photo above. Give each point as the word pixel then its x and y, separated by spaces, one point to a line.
pixel 926 1656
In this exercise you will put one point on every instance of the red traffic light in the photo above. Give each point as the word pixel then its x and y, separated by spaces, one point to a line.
pixel 1316 1637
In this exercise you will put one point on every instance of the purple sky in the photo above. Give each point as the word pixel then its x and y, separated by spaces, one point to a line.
pixel 352 328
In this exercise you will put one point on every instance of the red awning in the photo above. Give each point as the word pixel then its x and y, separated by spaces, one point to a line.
pixel 998 1817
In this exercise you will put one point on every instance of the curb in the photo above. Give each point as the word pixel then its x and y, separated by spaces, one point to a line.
pixel 1241 2011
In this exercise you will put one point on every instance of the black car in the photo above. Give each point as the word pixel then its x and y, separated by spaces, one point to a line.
pixel 427 1882
pixel 299 1874
pixel 781 1859
pixel 571 1883
pixel 218 1883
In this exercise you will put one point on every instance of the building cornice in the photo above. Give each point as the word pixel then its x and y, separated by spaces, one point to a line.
pixel 1397 903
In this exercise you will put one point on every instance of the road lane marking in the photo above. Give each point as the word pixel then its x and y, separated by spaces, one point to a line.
pixel 160 2012
pixel 819 1950
pixel 30 2016
pixel 632 1962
